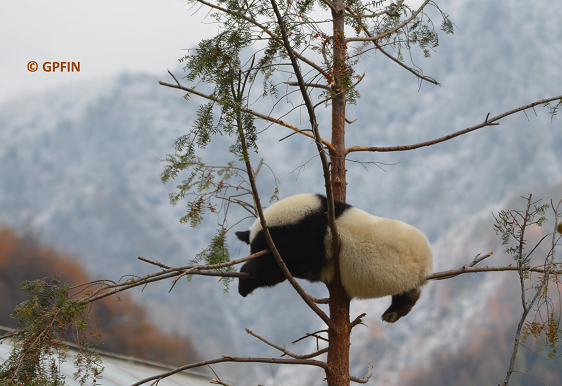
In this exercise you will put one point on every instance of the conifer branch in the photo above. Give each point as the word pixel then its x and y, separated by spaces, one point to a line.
pixel 376 43
pixel 377 14
pixel 401 25
pixel 246 110
pixel 267 31
pixel 413 71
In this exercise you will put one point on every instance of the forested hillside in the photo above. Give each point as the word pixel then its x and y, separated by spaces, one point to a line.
pixel 123 324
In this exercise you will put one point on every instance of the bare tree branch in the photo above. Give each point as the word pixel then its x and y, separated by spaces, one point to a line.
pixel 309 362
pixel 487 122
pixel 217 380
pixel 284 349
pixel 358 320
pixel 530 376
pixel 314 334
pixel 319 300
pixel 455 272
pixel 365 379
pixel 478 258
pixel 168 273
pixel 210 266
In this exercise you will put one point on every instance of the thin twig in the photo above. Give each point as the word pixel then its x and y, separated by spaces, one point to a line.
pixel 284 349
pixel 258 169
pixel 217 380
pixel 319 300
pixel 415 72
pixel 185 273
pixel 313 334
pixel 479 259
pixel 358 320
pixel 365 379
pixel 530 376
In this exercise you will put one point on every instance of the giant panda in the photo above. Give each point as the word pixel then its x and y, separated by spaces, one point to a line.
pixel 378 256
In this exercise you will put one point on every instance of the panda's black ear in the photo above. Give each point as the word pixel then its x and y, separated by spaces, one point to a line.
pixel 243 236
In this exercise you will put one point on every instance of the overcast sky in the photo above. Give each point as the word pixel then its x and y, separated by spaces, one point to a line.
pixel 105 36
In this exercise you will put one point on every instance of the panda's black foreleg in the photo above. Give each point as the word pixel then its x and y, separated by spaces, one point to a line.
pixel 401 305
pixel 265 272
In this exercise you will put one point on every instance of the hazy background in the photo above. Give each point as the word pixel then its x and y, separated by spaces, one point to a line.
pixel 106 37
pixel 79 156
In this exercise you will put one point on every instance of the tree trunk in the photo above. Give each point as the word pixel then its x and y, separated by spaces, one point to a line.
pixel 338 351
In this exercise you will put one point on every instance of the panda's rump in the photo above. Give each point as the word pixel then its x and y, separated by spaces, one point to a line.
pixel 378 256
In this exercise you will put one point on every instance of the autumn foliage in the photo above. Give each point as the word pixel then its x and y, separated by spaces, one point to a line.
pixel 126 329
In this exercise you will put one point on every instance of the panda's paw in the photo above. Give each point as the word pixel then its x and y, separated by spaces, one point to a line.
pixel 390 316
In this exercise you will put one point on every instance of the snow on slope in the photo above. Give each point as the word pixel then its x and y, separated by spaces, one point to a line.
pixel 80 165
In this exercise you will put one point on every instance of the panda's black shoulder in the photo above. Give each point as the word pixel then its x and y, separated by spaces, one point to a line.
pixel 340 207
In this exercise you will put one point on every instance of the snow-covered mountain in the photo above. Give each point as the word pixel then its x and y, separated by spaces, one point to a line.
pixel 80 166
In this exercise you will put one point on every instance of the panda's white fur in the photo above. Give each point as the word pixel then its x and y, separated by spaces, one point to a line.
pixel 378 256
pixel 288 211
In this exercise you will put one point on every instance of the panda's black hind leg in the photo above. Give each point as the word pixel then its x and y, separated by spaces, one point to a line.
pixel 401 305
